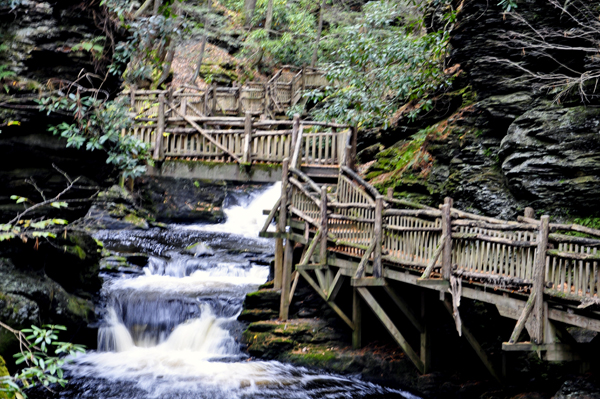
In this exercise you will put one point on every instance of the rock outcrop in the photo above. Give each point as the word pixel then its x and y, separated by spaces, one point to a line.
pixel 49 283
pixel 508 142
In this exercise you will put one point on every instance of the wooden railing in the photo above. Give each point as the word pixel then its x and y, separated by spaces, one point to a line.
pixel 276 96
pixel 178 130
pixel 529 256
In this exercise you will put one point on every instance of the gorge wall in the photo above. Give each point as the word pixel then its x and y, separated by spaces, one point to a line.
pixel 499 141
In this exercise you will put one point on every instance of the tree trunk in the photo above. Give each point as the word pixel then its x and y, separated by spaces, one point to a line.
pixel 142 9
pixel 203 45
pixel 156 6
pixel 249 6
pixel 269 19
pixel 319 29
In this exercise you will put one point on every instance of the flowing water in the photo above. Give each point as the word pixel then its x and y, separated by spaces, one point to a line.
pixel 172 331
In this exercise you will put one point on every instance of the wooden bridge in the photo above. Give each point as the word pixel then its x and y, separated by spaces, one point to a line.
pixel 535 272
pixel 275 97
pixel 189 124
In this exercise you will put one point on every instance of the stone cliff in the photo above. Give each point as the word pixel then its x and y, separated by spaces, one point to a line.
pixel 502 140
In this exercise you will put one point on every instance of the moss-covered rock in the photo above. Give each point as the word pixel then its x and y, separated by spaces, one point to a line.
pixel 3 373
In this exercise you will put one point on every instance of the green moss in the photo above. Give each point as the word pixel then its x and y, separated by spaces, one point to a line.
pixel 136 221
pixel 75 250
pixel 267 285
pixel 80 307
pixel 3 373
pixel 315 356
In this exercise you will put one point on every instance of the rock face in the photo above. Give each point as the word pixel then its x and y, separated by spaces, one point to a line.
pixel 49 283
pixel 506 143
pixel 37 55
pixel 552 157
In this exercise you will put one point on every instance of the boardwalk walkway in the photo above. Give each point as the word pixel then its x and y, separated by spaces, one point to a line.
pixel 533 271
pixel 189 124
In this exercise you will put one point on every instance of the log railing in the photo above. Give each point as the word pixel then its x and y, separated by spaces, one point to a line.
pixel 530 256
pixel 276 96
pixel 171 132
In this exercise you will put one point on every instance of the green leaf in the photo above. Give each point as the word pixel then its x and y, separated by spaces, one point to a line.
pixel 59 204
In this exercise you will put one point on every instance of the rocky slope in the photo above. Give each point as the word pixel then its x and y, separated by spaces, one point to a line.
pixel 499 141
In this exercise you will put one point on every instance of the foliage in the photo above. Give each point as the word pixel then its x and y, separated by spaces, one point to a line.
pixel 508 5
pixel 94 46
pixel 97 125
pixel 44 357
pixel 293 31
pixel 381 65
pixel 145 51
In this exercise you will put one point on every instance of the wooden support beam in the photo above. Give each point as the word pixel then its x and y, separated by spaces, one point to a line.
pixel 296 277
pixel 360 270
pixel 378 237
pixel 538 280
pixel 291 236
pixel 475 345
pixel 403 306
pixel 447 231
pixel 425 336
pixel 271 215
pixel 393 330
pixel 159 151
pixel 324 232
pixel 247 156
pixel 335 286
pixel 281 224
pixel 311 249
pixel 207 136
pixel 435 257
pixel 322 294
pixel 368 282
pixel 286 280
pixel 356 319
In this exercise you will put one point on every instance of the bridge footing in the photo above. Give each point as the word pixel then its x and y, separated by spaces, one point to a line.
pixel 217 171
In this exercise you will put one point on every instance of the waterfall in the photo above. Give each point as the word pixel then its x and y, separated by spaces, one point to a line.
pixel 172 331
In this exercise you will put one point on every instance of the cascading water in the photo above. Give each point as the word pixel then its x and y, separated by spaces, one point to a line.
pixel 172 331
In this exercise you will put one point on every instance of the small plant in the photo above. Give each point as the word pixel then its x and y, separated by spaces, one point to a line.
pixel 43 355
pixel 97 125
pixel 508 5
pixel 94 46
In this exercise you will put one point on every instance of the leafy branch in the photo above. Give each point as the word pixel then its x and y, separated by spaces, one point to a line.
pixel 44 357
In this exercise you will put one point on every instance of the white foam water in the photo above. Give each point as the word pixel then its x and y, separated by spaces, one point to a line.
pixel 246 219
pixel 168 333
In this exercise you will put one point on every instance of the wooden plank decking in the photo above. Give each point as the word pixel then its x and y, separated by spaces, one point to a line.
pixel 533 271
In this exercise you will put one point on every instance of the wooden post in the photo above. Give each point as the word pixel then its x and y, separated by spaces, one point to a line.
pixel 160 129
pixel 247 157
pixel 378 237
pixel 352 159
pixel 206 95
pixel 538 279
pixel 184 106
pixel 323 245
pixel 281 224
pixel 390 192
pixel 447 231
pixel 295 128
pixel 266 102
pixel 425 353
pixel 286 267
pixel 529 213
pixel 214 103
pixel 284 307
pixel 356 319
pixel 239 97
pixel 132 98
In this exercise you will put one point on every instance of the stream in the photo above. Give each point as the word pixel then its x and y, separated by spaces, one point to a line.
pixel 171 331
